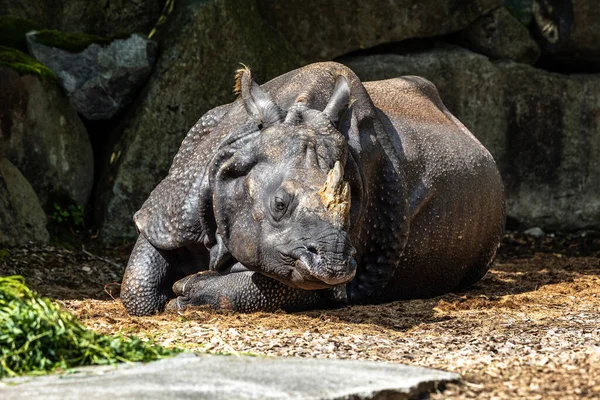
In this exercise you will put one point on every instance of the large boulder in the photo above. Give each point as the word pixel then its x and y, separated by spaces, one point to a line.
pixel 99 17
pixel 203 46
pixel 100 80
pixel 324 29
pixel 42 135
pixel 22 219
pixel 500 35
pixel 542 128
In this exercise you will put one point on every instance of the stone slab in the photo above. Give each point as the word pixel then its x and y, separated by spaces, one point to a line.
pixel 189 376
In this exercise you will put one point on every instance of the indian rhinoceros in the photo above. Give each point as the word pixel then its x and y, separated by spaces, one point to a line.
pixel 316 189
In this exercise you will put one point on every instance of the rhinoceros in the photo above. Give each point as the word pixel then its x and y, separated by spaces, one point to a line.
pixel 315 190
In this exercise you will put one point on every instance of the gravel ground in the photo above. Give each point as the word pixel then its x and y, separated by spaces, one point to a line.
pixel 530 329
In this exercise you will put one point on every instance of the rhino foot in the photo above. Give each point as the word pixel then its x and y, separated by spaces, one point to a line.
pixel 202 288
pixel 244 291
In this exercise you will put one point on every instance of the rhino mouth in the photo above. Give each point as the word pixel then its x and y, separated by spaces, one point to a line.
pixel 315 270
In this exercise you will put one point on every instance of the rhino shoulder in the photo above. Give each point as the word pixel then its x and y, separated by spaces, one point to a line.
pixel 170 217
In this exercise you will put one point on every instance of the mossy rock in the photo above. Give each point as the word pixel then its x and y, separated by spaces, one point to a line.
pixel 13 30
pixel 73 42
pixel 23 64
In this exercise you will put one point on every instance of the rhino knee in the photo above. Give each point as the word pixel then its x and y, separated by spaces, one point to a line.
pixel 144 290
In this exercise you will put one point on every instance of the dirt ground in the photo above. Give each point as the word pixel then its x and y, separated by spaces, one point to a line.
pixel 530 329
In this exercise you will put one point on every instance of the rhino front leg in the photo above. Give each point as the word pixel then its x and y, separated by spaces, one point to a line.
pixel 146 286
pixel 244 291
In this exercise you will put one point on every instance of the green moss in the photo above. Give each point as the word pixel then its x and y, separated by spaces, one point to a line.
pixel 37 336
pixel 23 64
pixel 13 30
pixel 73 42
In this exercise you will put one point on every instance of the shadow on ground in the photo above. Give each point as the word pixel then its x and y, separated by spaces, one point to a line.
pixel 524 264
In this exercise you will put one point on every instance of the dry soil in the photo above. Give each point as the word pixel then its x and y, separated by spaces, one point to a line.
pixel 530 329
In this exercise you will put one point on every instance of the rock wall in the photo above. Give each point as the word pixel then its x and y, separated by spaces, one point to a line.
pixel 542 128
pixel 488 60
pixel 324 29
pixel 98 17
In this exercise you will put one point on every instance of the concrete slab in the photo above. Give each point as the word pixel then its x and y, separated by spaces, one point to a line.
pixel 189 376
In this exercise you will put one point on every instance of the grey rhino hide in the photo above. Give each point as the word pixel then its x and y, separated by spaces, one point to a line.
pixel 426 208
pixel 180 211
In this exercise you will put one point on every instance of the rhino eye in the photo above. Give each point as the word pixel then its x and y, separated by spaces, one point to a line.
pixel 279 206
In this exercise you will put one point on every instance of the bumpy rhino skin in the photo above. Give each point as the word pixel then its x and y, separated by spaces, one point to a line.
pixel 416 208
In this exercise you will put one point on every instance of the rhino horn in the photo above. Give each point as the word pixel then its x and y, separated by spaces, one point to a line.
pixel 257 102
pixel 335 195
pixel 295 114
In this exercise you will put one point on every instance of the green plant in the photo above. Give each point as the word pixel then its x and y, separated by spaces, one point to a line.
pixel 37 336
pixel 167 10
pixel 70 215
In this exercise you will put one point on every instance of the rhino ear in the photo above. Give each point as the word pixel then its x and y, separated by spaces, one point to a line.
pixel 339 101
pixel 257 101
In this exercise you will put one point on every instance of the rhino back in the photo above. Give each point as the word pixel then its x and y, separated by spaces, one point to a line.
pixel 454 188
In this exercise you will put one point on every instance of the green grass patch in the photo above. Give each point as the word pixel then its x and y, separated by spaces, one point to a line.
pixel 37 336
pixel 23 64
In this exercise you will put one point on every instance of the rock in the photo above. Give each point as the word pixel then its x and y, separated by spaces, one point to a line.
pixel 542 128
pixel 567 30
pixel 13 30
pixel 500 35
pixel 100 17
pixel 100 80
pixel 228 377
pixel 583 43
pixel 43 137
pixel 326 29
pixel 535 232
pixel 521 10
pixel 22 219
pixel 204 44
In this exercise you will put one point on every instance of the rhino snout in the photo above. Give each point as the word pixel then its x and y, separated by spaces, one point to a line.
pixel 330 268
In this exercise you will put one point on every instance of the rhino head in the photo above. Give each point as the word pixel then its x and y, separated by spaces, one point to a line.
pixel 280 201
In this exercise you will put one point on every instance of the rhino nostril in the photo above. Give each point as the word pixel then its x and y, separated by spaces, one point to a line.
pixel 312 249
pixel 352 264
